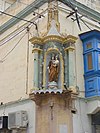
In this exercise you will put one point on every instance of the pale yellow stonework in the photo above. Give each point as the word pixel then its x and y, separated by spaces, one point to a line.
pixel 53 111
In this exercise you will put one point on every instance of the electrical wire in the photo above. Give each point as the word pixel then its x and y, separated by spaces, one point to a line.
pixel 85 24
pixel 3 59
pixel 12 37
pixel 32 6
pixel 30 34
pixel 78 17
pixel 40 15
pixel 65 9
pixel 18 18
pixel 15 35
pixel 82 22
pixel 27 67
pixel 4 42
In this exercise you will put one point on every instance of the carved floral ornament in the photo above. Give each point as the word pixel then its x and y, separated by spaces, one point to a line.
pixel 62 40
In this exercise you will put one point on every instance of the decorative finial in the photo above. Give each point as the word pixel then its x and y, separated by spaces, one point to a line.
pixel 53 13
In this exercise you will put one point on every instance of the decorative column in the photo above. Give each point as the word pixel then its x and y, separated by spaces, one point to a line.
pixel 41 69
pixel 37 63
pixel 53 13
pixel 36 68
pixel 66 69
pixel 69 62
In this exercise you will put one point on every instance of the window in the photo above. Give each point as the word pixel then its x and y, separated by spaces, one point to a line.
pixel 89 45
pixel 89 61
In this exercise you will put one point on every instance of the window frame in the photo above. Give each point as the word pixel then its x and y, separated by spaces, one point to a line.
pixel 90 65
pixel 89 43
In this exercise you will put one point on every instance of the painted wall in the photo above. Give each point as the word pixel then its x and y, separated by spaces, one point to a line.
pixel 26 105
pixel 93 105
pixel 81 121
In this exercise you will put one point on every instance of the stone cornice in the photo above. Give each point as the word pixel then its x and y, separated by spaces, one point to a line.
pixel 36 49
pixel 38 97
pixel 61 39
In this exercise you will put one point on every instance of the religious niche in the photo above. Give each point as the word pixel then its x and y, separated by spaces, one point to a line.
pixel 53 69
pixel 53 63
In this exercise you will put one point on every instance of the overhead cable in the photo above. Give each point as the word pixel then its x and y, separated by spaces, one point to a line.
pixel 85 24
pixel 12 37
pixel 19 18
pixel 3 59
pixel 27 68
pixel 4 42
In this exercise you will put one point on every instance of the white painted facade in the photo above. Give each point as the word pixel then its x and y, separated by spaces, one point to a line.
pixel 81 121
pixel 24 105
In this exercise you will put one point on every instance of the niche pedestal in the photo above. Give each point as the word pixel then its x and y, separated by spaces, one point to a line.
pixel 54 111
